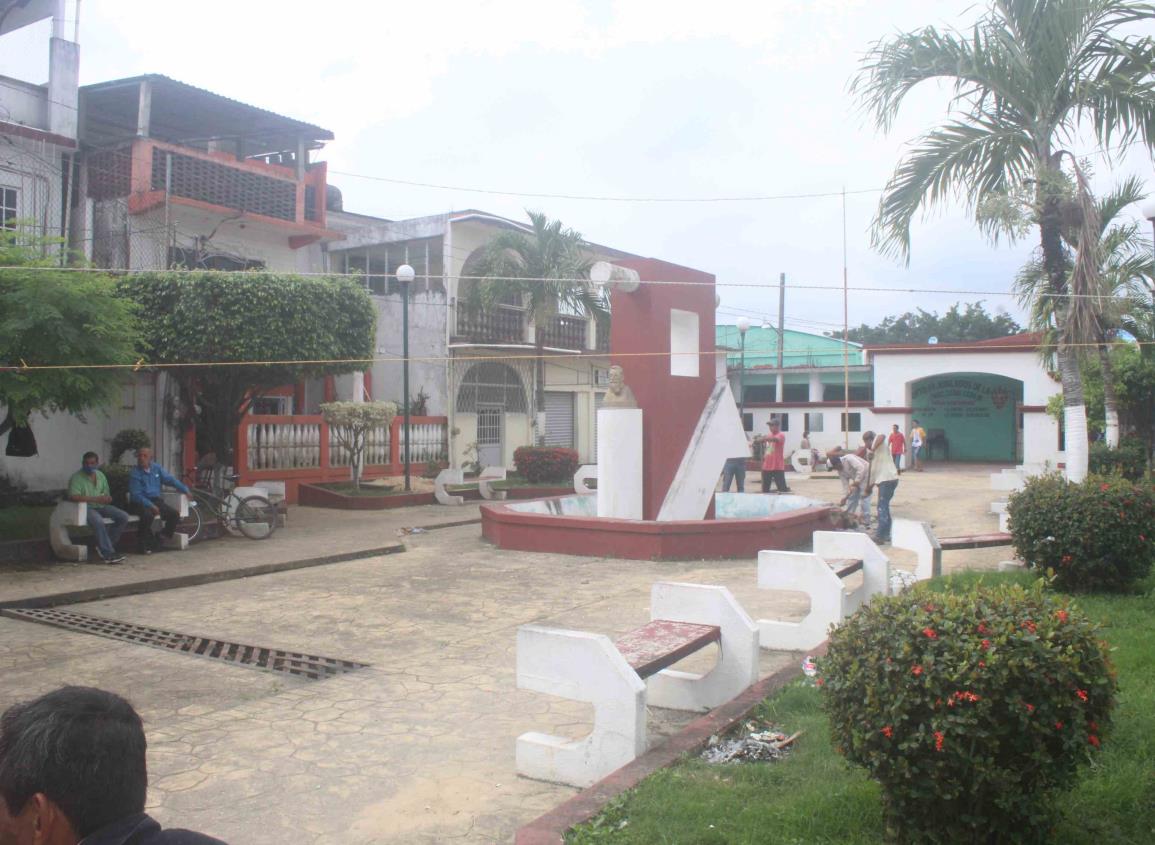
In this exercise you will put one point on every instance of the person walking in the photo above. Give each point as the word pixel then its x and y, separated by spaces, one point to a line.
pixel 897 441
pixel 854 473
pixel 917 438
pixel 90 486
pixel 774 459
pixel 144 492
pixel 884 476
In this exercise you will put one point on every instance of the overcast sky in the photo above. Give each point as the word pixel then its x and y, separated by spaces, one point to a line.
pixel 623 98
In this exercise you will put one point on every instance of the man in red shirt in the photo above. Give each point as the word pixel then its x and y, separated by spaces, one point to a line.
pixel 774 460
pixel 897 442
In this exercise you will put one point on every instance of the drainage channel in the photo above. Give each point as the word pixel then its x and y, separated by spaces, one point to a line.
pixel 309 666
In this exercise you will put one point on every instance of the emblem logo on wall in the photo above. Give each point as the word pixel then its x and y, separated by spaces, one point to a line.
pixel 999 397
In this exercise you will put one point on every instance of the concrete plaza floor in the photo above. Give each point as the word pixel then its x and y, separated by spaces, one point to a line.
pixel 419 747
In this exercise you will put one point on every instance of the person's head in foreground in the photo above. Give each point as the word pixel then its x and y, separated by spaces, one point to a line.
pixel 72 769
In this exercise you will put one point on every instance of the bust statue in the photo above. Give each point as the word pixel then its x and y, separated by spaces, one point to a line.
pixel 619 395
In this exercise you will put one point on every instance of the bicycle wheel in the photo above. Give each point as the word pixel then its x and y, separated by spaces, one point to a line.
pixel 255 517
pixel 193 523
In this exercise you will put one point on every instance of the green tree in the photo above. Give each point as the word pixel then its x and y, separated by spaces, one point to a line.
pixel 50 316
pixel 971 321
pixel 351 422
pixel 1119 288
pixel 244 333
pixel 542 271
pixel 1027 78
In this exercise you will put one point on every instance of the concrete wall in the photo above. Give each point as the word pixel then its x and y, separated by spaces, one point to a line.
pixel 427 369
pixel 61 439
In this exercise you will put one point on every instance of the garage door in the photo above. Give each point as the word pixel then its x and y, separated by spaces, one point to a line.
pixel 559 419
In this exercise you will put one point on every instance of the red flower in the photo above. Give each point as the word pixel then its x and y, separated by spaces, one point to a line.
pixel 966 695
pixel 986 644
pixel 1058 726
pixel 930 633
pixel 938 740
pixel 929 608
pixel 1142 539
pixel 1065 559
pixel 818 682
pixel 1063 615
pixel 982 664
pixel 1082 694
pixel 1029 625
pixel 888 732
pixel 1030 707
pixel 982 629
pixel 917 670
pixel 1104 487
pixel 1094 740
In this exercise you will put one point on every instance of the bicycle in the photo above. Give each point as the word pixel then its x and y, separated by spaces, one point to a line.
pixel 251 516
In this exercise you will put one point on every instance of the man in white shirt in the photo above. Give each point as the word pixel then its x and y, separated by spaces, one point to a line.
pixel 854 472
pixel 884 476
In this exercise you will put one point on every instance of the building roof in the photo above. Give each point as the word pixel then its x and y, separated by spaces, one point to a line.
pixel 185 114
pixel 799 349
pixel 1025 342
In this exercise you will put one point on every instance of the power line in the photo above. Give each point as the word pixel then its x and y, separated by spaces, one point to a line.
pixel 142 364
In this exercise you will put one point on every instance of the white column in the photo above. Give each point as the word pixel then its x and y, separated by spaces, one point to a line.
pixel 778 392
pixel 620 463
pixel 815 387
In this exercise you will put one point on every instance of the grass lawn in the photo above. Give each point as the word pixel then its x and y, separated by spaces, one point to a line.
pixel 814 796
pixel 24 522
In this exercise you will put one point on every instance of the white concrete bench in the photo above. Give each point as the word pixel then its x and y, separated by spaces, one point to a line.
pixel 444 478
pixel 917 537
pixel 485 483
pixel 618 679
pixel 819 574
pixel 585 473
pixel 68 515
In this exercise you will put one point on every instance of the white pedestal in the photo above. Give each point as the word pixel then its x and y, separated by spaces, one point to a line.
pixel 620 463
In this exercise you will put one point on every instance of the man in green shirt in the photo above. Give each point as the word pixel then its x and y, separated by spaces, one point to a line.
pixel 90 486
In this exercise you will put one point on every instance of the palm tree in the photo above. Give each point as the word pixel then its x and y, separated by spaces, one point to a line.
pixel 1028 77
pixel 1118 292
pixel 544 271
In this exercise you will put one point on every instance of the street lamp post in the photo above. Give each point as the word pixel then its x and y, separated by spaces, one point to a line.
pixel 405 275
pixel 743 327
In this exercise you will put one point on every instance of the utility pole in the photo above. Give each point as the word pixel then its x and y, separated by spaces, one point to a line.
pixel 781 318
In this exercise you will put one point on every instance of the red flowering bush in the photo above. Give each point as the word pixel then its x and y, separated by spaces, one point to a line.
pixel 969 709
pixel 536 464
pixel 1098 535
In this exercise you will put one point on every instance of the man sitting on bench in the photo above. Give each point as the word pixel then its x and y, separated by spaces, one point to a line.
pixel 144 486
pixel 90 485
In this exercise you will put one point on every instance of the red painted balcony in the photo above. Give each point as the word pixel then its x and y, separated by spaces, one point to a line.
pixel 149 172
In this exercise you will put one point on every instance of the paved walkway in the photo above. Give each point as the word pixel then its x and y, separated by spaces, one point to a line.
pixel 420 747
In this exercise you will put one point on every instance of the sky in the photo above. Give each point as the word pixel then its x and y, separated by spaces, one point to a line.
pixel 609 98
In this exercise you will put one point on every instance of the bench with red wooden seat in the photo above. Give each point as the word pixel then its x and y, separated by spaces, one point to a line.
pixel 621 678
pixel 975 541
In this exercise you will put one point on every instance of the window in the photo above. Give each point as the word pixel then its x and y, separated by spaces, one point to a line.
pixel 795 393
pixel 814 422
pixel 8 198
pixel 759 393
pixel 205 259
pixel 858 393
pixel 748 422
pixel 783 421
pixel 274 405
pixel 683 343
pixel 855 422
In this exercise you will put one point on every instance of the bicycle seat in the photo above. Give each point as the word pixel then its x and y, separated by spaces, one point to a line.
pixel 233 478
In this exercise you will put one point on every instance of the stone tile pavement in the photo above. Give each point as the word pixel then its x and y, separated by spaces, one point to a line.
pixel 419 748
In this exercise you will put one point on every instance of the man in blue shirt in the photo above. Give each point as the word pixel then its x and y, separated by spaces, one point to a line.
pixel 144 499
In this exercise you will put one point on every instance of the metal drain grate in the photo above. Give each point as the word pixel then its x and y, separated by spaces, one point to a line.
pixel 310 666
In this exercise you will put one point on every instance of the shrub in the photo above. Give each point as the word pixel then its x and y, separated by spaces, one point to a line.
pixel 1128 460
pixel 537 464
pixel 1098 535
pixel 127 440
pixel 117 475
pixel 969 709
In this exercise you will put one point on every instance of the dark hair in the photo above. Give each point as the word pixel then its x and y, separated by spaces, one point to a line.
pixel 83 748
pixel 88 455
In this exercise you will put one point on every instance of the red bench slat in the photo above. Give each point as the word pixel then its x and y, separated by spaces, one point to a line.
pixel 844 566
pixel 977 541
pixel 662 643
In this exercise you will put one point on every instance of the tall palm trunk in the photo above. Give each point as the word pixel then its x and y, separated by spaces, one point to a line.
pixel 1110 404
pixel 1074 409
pixel 539 388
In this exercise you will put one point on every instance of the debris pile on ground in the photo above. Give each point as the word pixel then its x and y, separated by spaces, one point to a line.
pixel 756 743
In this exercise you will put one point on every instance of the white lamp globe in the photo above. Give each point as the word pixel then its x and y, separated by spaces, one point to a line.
pixel 1148 209
pixel 406 274
pixel 743 325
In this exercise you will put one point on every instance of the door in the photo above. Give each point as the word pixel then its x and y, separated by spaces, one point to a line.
pixel 559 419
pixel 489 426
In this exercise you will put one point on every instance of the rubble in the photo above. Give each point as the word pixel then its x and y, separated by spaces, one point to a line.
pixel 757 744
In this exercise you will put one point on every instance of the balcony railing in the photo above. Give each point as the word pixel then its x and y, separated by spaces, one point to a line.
pixel 565 332
pixel 495 325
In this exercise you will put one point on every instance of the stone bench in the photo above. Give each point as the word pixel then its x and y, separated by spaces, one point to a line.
pixel 68 515
pixel 820 575
pixel 619 679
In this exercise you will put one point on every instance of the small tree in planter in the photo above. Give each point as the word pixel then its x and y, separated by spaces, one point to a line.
pixel 351 422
